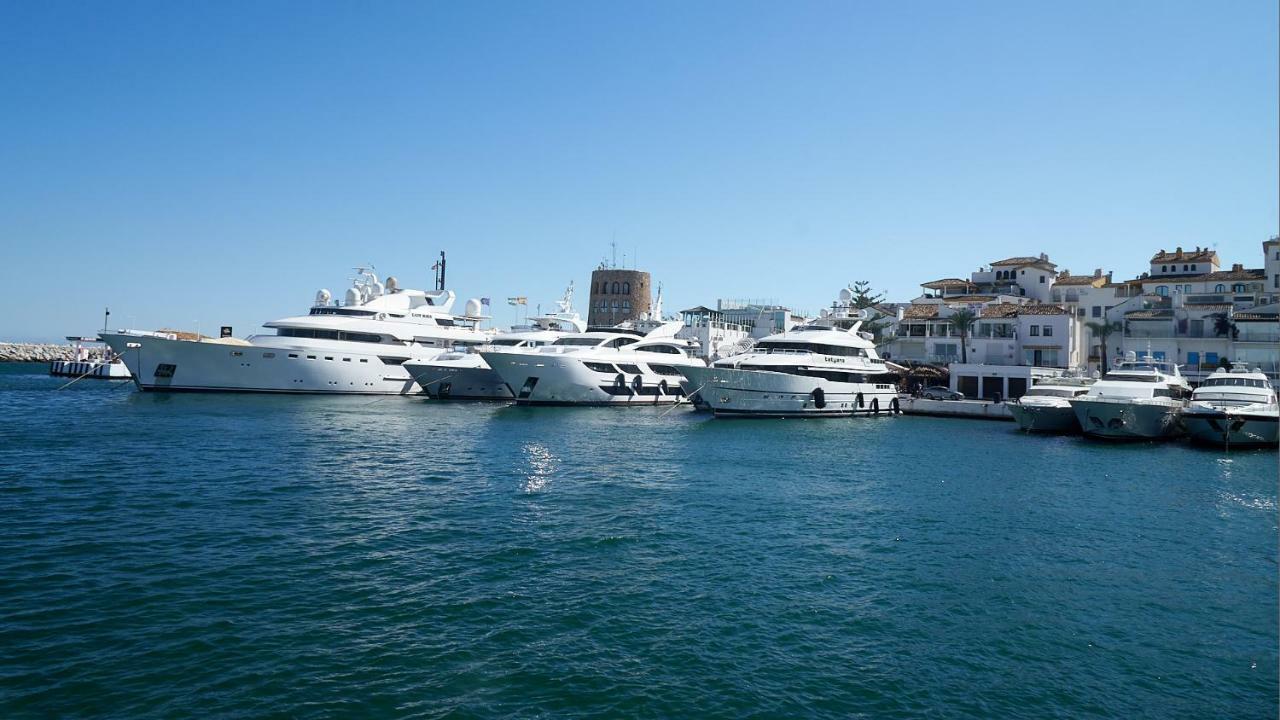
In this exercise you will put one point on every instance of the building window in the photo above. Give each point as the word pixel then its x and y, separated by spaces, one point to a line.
pixel 1193 266
pixel 1220 288
pixel 1164 268
pixel 1238 287
pixel 1186 288
pixel 1048 331
pixel 1097 311
pixel 626 305
pixel 1186 268
pixel 626 288
pixel 1162 290
pixel 1035 331
pixel 616 288
pixel 1041 279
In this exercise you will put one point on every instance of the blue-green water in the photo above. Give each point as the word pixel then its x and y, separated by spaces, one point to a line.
pixel 235 555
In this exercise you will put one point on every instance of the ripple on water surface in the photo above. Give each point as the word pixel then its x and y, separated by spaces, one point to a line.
pixel 317 557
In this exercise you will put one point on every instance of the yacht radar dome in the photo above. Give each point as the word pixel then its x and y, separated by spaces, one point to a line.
pixel 392 284
pixel 354 297
pixel 473 308
pixel 846 295
pixel 323 296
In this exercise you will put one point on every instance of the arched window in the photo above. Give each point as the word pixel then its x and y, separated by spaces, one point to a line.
pixel 1164 268
pixel 616 288
pixel 1162 290
pixel 626 288
pixel 1220 288
pixel 604 287
pixel 1238 287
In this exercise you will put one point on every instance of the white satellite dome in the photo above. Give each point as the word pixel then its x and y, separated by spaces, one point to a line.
pixel 392 284
pixel 846 295
pixel 473 308
pixel 824 313
pixel 323 296
pixel 354 297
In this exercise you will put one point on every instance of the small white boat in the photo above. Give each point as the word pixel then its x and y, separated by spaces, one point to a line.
pixel 1135 400
pixel 90 358
pixel 1046 407
pixel 1234 408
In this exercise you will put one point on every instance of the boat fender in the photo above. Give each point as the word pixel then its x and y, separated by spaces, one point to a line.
pixel 380 316
pixel 637 384
pixel 662 387
pixel 875 405
pixel 620 382
pixel 859 399
pixel 893 406
pixel 819 398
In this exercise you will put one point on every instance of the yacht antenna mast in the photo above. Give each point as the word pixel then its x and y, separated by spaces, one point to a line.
pixel 439 270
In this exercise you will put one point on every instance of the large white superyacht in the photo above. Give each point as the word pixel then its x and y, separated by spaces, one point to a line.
pixel 1135 400
pixel 619 366
pixel 463 374
pixel 825 368
pixel 357 345
pixel 1234 408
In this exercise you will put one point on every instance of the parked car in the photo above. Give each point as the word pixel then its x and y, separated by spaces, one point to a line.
pixel 939 392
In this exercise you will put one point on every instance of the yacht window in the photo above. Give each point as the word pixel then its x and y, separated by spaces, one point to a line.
pixel 840 350
pixel 578 342
pixel 601 367
pixel 328 358
pixel 293 355
pixel 1162 392
pixel 341 311
pixel 392 360
pixel 664 369
pixel 1047 392
pixel 620 342
pixel 311 357
pixel 659 349
pixel 506 343
pixel 364 360
pixel 633 369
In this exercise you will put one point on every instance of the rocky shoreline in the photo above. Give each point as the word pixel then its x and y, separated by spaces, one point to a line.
pixel 33 352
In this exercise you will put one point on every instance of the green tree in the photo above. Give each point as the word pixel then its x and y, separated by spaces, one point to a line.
pixel 962 321
pixel 1222 325
pixel 864 298
pixel 1102 331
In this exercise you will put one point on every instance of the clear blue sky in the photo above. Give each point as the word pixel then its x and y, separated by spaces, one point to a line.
pixel 219 162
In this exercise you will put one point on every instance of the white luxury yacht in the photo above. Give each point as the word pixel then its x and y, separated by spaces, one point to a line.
pixel 1046 406
pixel 1135 400
pixel 619 366
pixel 1234 407
pixel 825 368
pixel 355 346
pixel 464 374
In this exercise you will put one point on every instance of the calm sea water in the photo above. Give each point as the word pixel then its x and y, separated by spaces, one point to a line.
pixel 237 555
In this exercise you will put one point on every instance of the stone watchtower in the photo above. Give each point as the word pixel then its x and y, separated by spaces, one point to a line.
pixel 617 295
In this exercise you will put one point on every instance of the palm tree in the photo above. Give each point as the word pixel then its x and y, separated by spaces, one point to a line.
pixel 1102 331
pixel 1222 325
pixel 961 321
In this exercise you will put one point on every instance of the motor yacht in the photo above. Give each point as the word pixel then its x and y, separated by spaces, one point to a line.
pixel 825 368
pixel 619 366
pixel 1135 400
pixel 1046 406
pixel 463 374
pixel 1234 408
pixel 355 345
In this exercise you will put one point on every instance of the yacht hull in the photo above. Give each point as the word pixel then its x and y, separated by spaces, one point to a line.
pixel 451 382
pixel 1116 420
pixel 167 365
pixel 551 379
pixel 1233 429
pixel 763 394
pixel 1045 418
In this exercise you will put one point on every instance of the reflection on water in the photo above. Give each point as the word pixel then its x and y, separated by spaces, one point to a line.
pixel 540 465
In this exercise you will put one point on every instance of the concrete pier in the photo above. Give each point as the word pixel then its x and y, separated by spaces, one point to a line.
pixel 978 409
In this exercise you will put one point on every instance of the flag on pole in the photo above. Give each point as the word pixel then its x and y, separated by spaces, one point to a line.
pixel 484 302
pixel 522 300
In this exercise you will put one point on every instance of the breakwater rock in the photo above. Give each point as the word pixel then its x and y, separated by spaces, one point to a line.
pixel 33 352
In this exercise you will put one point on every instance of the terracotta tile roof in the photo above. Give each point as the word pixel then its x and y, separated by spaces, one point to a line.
pixel 1256 316
pixel 947 282
pixel 1024 260
pixel 1081 280
pixel 1233 274
pixel 1000 310
pixel 1197 255
pixel 920 312
pixel 1044 309
pixel 1149 315
pixel 970 298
